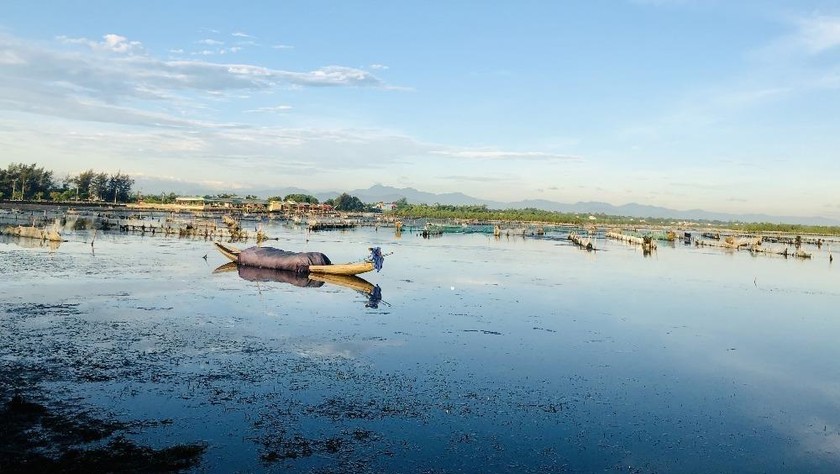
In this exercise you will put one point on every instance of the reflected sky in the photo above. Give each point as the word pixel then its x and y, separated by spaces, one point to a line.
pixel 506 354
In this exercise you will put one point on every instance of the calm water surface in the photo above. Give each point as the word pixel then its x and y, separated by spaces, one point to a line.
pixel 509 355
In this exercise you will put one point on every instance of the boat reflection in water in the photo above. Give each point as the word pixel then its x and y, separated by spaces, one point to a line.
pixel 372 292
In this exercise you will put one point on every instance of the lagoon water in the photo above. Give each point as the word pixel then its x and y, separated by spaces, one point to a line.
pixel 484 355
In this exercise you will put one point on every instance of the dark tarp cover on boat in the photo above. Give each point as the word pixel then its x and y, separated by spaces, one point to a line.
pixel 278 259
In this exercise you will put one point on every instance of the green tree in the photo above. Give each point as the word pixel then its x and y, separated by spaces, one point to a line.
pixel 25 181
pixel 98 188
pixel 346 202
pixel 401 204
pixel 118 187
pixel 82 183
pixel 300 198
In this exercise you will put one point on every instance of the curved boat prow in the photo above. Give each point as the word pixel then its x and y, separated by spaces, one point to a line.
pixel 231 253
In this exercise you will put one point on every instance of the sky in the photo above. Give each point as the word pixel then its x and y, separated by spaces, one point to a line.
pixel 730 106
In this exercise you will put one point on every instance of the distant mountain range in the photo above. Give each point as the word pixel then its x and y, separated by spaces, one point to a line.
pixel 379 192
pixel 389 194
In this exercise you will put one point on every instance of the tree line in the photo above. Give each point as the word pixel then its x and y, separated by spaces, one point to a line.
pixel 481 212
pixel 24 182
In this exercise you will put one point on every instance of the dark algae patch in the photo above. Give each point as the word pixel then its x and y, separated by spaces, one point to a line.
pixel 40 435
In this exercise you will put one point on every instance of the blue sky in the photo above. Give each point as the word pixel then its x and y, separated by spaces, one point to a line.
pixel 719 105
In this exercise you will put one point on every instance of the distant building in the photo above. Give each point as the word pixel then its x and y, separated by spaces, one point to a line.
pixel 205 203
pixel 197 201
pixel 293 207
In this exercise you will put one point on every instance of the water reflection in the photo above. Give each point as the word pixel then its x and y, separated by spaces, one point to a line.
pixel 311 280
pixel 29 243
pixel 516 355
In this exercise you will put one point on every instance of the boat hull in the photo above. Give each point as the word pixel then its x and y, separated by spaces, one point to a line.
pixel 342 268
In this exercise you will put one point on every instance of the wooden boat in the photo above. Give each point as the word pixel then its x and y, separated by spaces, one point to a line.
pixel 342 268
pixel 232 254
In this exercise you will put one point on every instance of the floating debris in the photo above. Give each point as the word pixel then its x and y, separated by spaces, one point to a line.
pixel 647 243
pixel 586 243
pixel 33 232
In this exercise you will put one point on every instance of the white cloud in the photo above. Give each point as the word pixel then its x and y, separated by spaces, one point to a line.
pixel 10 58
pixel 282 46
pixel 210 42
pixel 276 108
pixel 239 34
pixel 809 36
pixel 670 3
pixel 120 44
pixel 819 33
pixel 138 90
pixel 475 177
pixel 110 42
pixel 377 67
pixel 505 155
pixel 332 75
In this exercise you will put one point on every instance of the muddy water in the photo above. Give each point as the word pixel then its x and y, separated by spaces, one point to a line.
pixel 509 355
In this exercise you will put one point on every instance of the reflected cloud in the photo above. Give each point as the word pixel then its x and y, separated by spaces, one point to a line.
pixel 346 350
pixel 805 424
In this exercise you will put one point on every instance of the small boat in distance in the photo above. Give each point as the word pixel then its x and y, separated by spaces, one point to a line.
pixel 303 262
